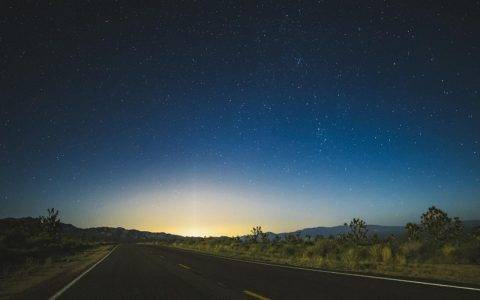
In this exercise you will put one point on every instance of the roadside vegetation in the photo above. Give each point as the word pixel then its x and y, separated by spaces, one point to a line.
pixel 437 248
pixel 34 250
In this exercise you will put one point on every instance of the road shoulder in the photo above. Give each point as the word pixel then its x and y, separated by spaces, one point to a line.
pixel 43 281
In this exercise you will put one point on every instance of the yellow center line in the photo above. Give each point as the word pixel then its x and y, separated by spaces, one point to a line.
pixel 254 295
pixel 184 266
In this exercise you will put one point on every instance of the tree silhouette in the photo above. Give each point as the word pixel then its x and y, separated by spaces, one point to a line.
pixel 51 223
pixel 256 233
pixel 439 226
pixel 358 230
pixel 413 231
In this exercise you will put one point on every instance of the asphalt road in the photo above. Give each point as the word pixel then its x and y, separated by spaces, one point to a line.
pixel 150 272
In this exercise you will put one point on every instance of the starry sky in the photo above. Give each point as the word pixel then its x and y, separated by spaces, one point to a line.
pixel 204 118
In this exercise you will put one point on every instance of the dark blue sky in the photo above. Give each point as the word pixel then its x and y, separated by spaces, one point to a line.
pixel 206 119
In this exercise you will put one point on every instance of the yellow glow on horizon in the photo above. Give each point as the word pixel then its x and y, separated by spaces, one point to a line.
pixel 204 210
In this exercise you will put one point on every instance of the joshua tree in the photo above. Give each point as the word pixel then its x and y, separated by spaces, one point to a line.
pixel 435 222
pixel 358 230
pixel 256 232
pixel 413 231
pixel 50 223
pixel 439 226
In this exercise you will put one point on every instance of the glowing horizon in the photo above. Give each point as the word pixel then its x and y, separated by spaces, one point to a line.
pixel 209 208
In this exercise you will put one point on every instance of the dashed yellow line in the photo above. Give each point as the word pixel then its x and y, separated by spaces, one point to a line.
pixel 184 266
pixel 255 295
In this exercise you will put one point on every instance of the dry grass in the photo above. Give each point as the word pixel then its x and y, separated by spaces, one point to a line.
pixel 387 264
pixel 33 273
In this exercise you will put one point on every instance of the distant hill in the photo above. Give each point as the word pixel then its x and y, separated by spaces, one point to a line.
pixel 120 234
pixel 108 234
pixel 381 230
pixel 116 234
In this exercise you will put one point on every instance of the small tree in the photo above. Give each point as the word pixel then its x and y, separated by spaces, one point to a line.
pixel 413 231
pixel 358 230
pixel 51 222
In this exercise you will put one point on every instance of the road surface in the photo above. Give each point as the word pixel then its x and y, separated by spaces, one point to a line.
pixel 152 272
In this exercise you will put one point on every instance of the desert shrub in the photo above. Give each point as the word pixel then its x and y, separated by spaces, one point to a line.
pixel 350 258
pixel 470 252
pixel 362 252
pixel 289 250
pixel 411 249
pixel 400 260
pixel 318 261
pixel 47 262
pixel 30 265
pixel 449 252
pixel 331 260
pixel 324 247
pixel 71 244
pixel 376 252
pixel 309 252
pixel 15 239
pixel 386 254
pixel 255 249
pixel 272 250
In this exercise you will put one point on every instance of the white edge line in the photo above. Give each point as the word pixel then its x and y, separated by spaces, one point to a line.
pixel 60 292
pixel 339 273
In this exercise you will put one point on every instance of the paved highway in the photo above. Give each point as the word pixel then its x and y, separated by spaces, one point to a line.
pixel 150 272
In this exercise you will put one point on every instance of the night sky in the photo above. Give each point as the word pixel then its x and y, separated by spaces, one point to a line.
pixel 202 119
